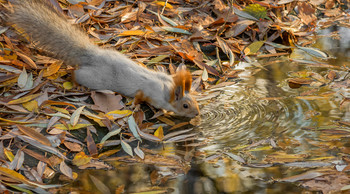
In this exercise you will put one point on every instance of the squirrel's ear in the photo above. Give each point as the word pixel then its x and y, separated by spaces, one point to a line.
pixel 179 92
pixel 179 80
pixel 188 81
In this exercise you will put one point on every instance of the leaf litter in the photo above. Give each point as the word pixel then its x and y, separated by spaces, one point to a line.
pixel 40 91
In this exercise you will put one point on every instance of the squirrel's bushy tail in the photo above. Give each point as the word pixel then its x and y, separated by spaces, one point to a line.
pixel 49 29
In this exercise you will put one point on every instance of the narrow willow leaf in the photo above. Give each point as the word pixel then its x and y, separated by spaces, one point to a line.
pixel 58 114
pixel 159 132
pixel 279 46
pixel 226 49
pixel 180 137
pixel 3 29
pixel 41 146
pixel 148 136
pixel 34 134
pixel 314 52
pixel 30 82
pixel 116 114
pixel 127 148
pixel 10 69
pixel 205 75
pixel 24 99
pixel 176 30
pixel 256 10
pixel 76 115
pixel 253 48
pixel 168 136
pixel 133 127
pixel 9 154
pixel 17 161
pixel 162 3
pixel 110 134
pixel 133 33
pixel 100 185
pixel 13 174
pixel 52 69
pixel 236 157
pixel 89 114
pixel 66 170
pixel 22 79
pixel 18 188
pixel 139 152
pixel 157 59
pixel 70 127
pixel 171 22
pixel 347 187
pixel 303 176
pixel 244 14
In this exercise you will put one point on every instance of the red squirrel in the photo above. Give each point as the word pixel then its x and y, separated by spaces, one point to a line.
pixel 98 68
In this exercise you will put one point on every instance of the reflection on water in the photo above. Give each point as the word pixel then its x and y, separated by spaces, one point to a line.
pixel 258 107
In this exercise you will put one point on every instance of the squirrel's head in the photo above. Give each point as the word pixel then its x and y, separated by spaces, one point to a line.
pixel 181 99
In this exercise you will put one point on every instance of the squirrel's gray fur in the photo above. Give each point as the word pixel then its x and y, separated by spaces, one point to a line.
pixel 99 69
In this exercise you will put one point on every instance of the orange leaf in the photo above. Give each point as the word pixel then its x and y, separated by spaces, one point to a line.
pixel 134 33
pixel 52 69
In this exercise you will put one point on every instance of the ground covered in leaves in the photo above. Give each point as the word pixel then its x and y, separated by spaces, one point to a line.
pixel 50 127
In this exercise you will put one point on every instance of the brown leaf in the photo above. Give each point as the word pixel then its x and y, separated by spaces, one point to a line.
pixel 74 147
pixel 91 144
pixel 66 170
pixel 106 102
pixel 34 134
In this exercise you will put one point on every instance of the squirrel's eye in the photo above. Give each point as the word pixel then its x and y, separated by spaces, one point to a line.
pixel 185 105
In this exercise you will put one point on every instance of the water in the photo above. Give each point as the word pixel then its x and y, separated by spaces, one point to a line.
pixel 260 107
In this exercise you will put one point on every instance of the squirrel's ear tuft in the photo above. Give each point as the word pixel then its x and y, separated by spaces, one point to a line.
pixel 180 85
pixel 188 81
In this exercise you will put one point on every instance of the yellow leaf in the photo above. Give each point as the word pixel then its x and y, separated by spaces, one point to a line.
pixel 52 69
pixel 97 120
pixel 68 85
pixel 161 3
pixel 24 99
pixel 116 114
pixel 13 174
pixel 31 106
pixel 77 126
pixel 166 120
pixel 10 121
pixel 81 158
pixel 9 55
pixel 134 33
pixel 62 110
pixel 260 149
pixel 108 153
pixel 9 82
pixel 324 158
pixel 253 48
pixel 9 154
pixel 57 75
pixel 159 132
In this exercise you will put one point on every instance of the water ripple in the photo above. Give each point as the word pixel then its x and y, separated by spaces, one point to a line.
pixel 244 113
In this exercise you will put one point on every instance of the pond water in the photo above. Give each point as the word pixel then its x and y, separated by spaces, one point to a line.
pixel 248 119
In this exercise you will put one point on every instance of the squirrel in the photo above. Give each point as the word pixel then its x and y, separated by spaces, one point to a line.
pixel 98 68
